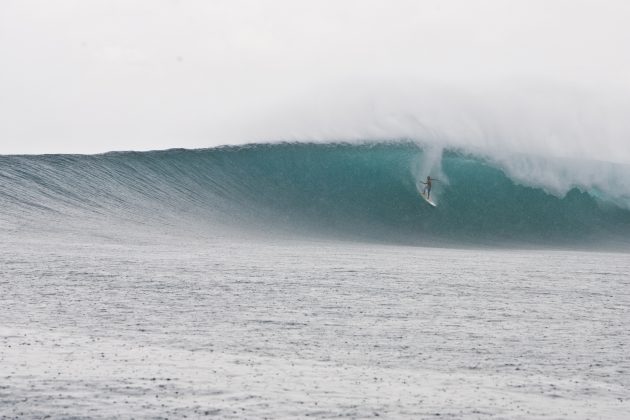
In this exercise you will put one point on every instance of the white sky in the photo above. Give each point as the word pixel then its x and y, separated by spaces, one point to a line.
pixel 550 76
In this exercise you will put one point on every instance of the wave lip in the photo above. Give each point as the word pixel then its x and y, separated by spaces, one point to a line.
pixel 358 191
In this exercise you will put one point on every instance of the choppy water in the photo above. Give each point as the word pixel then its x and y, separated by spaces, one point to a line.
pixel 249 329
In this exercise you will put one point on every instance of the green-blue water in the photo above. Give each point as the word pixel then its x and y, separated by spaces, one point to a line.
pixel 368 192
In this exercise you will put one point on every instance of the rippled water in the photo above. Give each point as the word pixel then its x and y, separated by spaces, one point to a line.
pixel 168 326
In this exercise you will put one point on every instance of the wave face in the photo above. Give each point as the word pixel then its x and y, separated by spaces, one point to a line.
pixel 365 192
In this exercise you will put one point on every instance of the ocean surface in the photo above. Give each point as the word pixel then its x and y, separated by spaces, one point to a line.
pixel 312 280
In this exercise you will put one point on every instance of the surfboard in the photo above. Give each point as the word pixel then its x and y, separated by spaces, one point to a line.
pixel 428 200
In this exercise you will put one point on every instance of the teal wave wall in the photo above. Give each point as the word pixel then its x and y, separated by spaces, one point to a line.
pixel 367 192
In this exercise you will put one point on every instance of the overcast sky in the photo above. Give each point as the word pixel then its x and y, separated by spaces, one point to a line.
pixel 550 76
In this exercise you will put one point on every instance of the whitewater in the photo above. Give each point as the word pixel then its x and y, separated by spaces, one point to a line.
pixel 297 280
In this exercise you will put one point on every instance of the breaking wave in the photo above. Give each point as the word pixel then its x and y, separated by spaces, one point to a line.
pixel 356 191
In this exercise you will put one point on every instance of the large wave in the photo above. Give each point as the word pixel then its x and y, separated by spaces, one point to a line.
pixel 359 191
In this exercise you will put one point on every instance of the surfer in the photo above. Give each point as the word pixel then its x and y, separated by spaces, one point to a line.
pixel 427 188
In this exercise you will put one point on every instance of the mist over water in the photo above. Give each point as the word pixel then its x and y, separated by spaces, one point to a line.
pixel 546 78
pixel 498 119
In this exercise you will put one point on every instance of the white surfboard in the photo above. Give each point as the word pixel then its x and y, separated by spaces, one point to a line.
pixel 428 200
